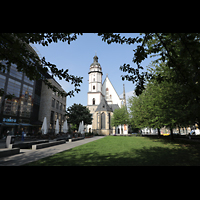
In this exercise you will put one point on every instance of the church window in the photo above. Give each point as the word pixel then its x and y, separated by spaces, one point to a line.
pixel 103 120
pixel 93 79
pixel 110 96
pixel 107 93
pixel 93 101
pixel 93 87
pixel 109 120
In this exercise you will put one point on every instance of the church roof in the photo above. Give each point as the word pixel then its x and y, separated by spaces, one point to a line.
pixel 114 106
pixel 95 61
pixel 103 106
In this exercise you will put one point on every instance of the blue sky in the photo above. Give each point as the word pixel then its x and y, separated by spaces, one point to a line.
pixel 78 56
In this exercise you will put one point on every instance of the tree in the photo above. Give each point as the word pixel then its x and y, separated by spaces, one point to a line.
pixel 120 116
pixel 78 113
pixel 14 49
pixel 162 103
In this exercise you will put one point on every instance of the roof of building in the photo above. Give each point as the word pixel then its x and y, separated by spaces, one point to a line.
pixel 95 61
pixel 114 106
pixel 103 106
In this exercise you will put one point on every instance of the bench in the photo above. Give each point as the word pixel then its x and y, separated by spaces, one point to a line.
pixel 26 145
pixel 75 139
pixel 9 152
pixel 62 138
pixel 44 145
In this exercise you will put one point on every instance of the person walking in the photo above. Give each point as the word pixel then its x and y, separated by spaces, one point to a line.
pixel 22 135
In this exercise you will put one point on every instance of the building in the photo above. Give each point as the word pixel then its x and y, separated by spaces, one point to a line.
pixel 52 106
pixel 17 113
pixel 102 101
pixel 26 110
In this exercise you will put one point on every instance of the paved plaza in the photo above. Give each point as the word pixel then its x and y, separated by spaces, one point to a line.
pixel 28 155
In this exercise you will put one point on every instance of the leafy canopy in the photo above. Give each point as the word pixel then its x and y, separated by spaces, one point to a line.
pixel 14 49
pixel 78 113
pixel 120 116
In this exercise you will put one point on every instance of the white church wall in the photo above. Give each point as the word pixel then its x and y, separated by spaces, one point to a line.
pixel 97 97
pixel 111 91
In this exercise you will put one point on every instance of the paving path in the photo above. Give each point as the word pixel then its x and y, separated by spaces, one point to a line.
pixel 27 155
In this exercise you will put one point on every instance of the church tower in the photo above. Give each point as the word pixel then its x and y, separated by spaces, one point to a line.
pixel 95 85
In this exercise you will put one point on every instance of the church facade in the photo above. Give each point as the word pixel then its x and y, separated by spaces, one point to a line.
pixel 102 101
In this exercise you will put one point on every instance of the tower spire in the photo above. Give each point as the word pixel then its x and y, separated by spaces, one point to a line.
pixel 124 95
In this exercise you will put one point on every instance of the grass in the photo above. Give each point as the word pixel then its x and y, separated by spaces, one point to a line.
pixel 119 151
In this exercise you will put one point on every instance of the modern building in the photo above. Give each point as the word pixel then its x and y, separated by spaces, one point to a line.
pixel 26 110
pixel 52 106
pixel 102 101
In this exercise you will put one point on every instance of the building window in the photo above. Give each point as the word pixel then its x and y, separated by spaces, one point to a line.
pixel 61 106
pixel 14 72
pixel 11 107
pixel 103 120
pixel 27 90
pixel 107 93
pixel 27 80
pixel 93 87
pixel 52 116
pixel 26 101
pixel 53 102
pixel 57 104
pixel 93 101
pixel 13 87
pixel 2 81
pixel 56 117
pixel 93 79
pixel 109 120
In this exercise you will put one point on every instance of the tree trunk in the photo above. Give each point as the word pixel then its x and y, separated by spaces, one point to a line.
pixel 171 133
pixel 158 133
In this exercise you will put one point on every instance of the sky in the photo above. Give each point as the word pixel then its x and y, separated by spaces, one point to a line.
pixel 78 56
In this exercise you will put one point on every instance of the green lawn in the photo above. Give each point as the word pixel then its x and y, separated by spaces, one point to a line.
pixel 119 150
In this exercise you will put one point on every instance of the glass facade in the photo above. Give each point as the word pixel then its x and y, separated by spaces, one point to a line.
pixel 26 101
pixel 2 81
pixel 27 80
pixel 15 73
pixel 11 107
pixel 13 87
pixel 22 112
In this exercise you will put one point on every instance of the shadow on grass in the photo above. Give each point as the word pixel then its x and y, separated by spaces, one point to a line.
pixel 153 156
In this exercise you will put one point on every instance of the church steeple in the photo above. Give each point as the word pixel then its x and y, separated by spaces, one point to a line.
pixel 124 95
pixel 95 83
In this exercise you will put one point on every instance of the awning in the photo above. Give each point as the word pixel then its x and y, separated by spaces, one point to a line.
pixel 10 124
pixel 21 124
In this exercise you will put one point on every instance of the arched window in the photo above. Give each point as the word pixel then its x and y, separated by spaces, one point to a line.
pixel 109 120
pixel 93 87
pixel 103 120
pixel 93 101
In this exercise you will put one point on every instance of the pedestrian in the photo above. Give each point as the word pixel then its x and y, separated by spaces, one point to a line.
pixel 191 132
pixel 22 135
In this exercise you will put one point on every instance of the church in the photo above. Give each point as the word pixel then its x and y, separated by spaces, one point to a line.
pixel 102 101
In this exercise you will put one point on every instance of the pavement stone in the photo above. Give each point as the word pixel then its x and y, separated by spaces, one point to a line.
pixel 28 155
